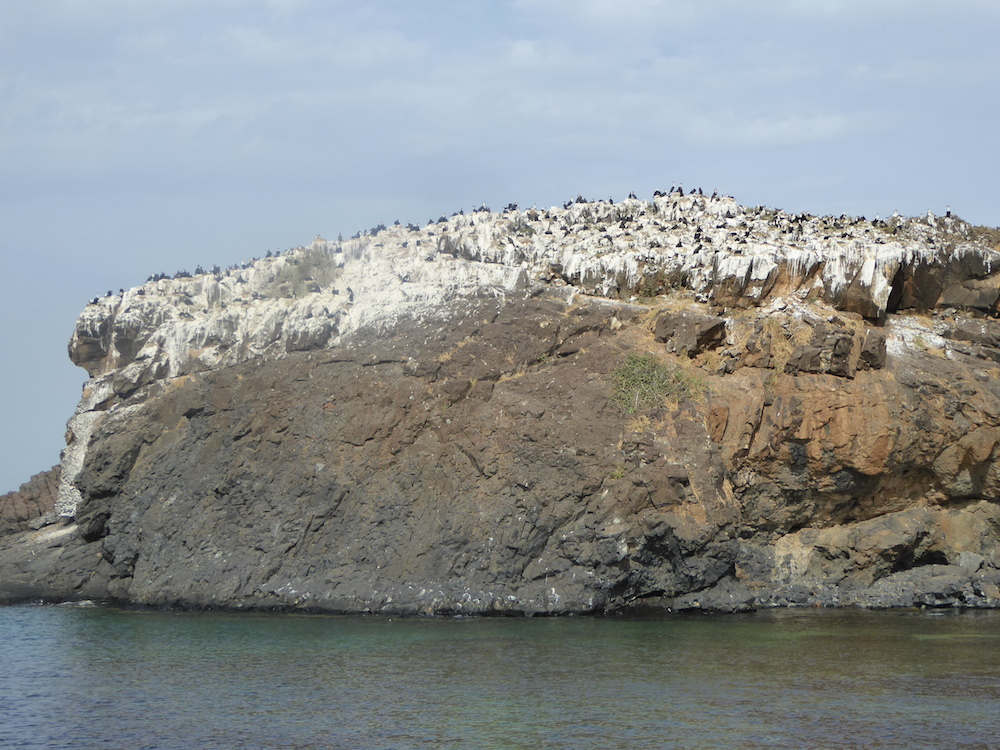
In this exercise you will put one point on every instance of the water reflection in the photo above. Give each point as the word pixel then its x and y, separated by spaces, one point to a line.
pixel 89 678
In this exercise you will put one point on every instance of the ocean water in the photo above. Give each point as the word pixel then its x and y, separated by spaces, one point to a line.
pixel 73 677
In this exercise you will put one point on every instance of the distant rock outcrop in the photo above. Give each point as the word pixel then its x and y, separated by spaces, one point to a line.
pixel 428 420
pixel 33 503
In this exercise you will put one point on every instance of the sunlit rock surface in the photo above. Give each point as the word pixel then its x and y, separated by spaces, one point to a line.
pixel 424 420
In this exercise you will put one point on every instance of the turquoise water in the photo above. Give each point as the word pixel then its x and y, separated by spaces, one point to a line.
pixel 75 677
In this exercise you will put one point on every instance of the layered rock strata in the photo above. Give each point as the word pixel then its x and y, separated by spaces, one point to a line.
pixel 426 420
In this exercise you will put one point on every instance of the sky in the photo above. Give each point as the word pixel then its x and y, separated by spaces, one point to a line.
pixel 149 136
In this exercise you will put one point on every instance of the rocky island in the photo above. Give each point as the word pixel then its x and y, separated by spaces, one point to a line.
pixel 677 403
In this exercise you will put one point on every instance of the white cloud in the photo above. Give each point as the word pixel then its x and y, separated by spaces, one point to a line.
pixel 616 14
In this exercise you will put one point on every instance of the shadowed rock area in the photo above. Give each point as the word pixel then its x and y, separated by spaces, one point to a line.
pixel 428 447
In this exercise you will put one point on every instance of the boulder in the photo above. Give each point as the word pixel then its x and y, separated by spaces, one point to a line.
pixel 689 333
pixel 873 350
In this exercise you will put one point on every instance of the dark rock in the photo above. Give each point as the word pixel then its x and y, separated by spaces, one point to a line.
pixel 947 280
pixel 807 359
pixel 52 564
pixel 728 595
pixel 873 350
pixel 351 486
pixel 33 504
pixel 689 333
pixel 829 351
pixel 982 332
pixel 840 345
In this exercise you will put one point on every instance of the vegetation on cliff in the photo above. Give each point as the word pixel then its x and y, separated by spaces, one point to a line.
pixel 644 381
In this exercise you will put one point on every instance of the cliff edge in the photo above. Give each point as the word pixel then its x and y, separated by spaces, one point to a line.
pixel 677 403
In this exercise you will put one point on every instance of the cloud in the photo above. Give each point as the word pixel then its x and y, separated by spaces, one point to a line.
pixel 644 16
pixel 152 94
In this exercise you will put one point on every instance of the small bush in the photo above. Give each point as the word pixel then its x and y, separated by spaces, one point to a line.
pixel 314 270
pixel 643 381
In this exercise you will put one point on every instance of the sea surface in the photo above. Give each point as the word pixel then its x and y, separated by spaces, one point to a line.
pixel 94 677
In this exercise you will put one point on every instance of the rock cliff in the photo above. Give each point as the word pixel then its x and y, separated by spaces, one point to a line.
pixel 677 403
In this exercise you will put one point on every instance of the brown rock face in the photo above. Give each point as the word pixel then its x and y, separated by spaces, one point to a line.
pixel 479 471
pixel 476 464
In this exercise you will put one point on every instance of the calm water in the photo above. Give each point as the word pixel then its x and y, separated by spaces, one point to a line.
pixel 105 678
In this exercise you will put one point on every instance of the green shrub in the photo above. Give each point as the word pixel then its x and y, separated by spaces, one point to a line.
pixel 644 381
pixel 311 272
